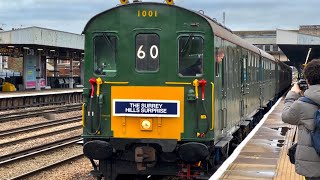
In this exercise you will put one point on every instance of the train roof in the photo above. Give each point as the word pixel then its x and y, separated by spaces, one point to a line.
pixel 218 29
pixel 267 55
pixel 226 34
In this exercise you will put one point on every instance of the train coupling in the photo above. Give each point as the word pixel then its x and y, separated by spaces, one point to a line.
pixel 145 156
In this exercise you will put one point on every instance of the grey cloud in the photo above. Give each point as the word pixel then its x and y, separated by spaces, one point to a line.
pixel 72 15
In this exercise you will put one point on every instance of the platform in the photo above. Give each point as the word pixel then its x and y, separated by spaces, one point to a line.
pixel 38 93
pixel 264 156
pixel 23 99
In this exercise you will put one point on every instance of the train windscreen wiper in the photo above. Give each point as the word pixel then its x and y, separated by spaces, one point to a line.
pixel 187 43
pixel 106 37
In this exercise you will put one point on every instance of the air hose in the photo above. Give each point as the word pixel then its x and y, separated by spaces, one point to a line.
pixel 202 134
pixel 92 82
pixel 206 112
pixel 197 115
pixel 203 83
pixel 196 86
pixel 99 104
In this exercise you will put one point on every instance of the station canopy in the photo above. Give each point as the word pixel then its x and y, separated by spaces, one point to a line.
pixel 41 41
pixel 296 46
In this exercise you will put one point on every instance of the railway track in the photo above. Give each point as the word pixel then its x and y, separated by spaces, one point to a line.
pixel 38 126
pixel 25 175
pixel 40 135
pixel 12 157
pixel 38 112
pixel 38 150
pixel 16 137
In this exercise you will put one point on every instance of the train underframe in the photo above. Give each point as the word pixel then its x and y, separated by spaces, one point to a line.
pixel 139 159
pixel 147 157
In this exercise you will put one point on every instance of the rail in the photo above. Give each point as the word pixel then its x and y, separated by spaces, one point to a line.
pixel 35 113
pixel 38 126
pixel 9 158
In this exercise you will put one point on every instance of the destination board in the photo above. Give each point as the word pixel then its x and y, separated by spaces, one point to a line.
pixel 146 108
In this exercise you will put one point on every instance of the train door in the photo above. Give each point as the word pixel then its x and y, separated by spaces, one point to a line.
pixel 191 48
pixel 261 81
pixel 244 84
pixel 226 88
pixel 276 76
pixel 224 100
pixel 229 105
pixel 256 84
pixel 219 94
pixel 270 91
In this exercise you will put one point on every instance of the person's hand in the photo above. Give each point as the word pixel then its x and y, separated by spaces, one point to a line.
pixel 296 88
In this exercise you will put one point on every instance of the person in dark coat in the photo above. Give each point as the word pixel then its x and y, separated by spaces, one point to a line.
pixel 307 161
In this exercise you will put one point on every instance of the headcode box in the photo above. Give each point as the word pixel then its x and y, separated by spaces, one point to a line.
pixel 146 108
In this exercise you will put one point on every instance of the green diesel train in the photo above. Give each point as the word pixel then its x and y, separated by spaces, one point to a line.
pixel 169 91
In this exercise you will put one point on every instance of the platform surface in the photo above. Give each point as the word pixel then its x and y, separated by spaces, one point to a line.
pixel 265 154
pixel 38 93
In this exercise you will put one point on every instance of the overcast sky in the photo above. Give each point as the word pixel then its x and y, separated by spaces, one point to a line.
pixel 72 15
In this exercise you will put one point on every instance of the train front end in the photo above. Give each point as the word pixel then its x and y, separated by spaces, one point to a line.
pixel 148 96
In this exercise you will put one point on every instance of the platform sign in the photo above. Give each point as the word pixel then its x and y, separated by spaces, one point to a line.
pixel 30 71
pixel 42 82
pixel 146 108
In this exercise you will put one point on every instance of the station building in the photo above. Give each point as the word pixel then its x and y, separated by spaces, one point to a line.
pixel 294 47
pixel 265 40
pixel 40 58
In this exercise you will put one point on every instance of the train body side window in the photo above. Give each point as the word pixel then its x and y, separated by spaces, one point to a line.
pixel 245 67
pixel 191 56
pixel 257 68
pixel 219 55
pixel 230 66
pixel 105 49
pixel 147 52
pixel 235 66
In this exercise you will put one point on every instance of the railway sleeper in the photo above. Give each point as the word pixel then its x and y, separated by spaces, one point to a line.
pixel 3 103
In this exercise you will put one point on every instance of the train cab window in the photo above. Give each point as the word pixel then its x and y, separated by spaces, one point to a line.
pixel 191 56
pixel 147 52
pixel 105 55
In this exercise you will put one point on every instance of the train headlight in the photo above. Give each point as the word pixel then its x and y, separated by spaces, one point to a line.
pixel 146 124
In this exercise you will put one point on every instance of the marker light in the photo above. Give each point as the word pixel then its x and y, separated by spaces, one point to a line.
pixel 124 1
pixel 170 2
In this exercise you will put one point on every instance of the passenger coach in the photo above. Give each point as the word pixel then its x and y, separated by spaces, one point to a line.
pixel 167 89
